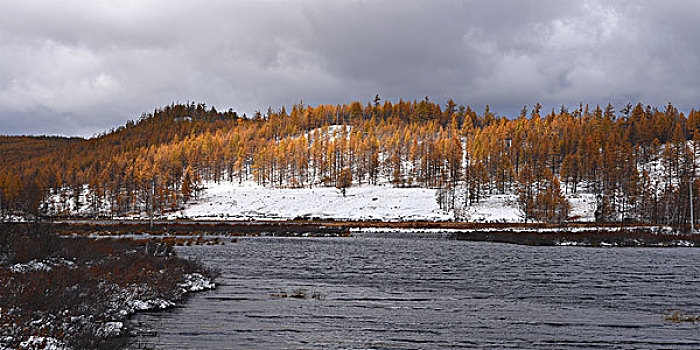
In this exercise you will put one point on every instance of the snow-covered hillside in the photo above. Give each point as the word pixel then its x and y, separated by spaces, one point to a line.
pixel 249 201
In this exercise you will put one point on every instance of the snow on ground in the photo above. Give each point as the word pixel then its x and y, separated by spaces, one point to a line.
pixel 381 202
pixel 111 329
pixel 41 265
pixel 496 208
pixel 12 218
pixel 249 201
pixel 582 207
pixel 66 201
pixel 46 343
pixel 195 282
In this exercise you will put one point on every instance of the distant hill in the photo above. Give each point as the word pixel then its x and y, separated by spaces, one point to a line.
pixel 15 149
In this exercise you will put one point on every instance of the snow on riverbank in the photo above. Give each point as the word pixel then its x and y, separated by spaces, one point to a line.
pixel 125 302
pixel 64 292
pixel 383 202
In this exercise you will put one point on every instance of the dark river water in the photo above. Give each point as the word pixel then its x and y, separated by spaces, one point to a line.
pixel 407 293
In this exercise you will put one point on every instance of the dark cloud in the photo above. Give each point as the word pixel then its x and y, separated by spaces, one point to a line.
pixel 81 67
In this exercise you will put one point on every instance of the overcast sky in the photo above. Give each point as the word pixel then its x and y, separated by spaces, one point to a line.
pixel 82 67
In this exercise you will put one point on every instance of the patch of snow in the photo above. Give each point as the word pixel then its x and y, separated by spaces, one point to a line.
pixel 250 201
pixel 569 243
pixel 110 329
pixel 13 218
pixel 496 208
pixel 30 266
pixel 582 206
pixel 195 282
pixel 683 243
pixel 75 201
pixel 151 304
pixel 46 343
pixel 40 265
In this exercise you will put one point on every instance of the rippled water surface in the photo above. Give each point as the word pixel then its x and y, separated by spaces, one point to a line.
pixel 407 293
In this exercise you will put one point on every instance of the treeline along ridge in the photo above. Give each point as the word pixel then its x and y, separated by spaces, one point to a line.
pixel 638 160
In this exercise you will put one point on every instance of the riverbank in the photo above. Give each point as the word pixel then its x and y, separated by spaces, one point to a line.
pixel 580 234
pixel 77 292
pixel 587 235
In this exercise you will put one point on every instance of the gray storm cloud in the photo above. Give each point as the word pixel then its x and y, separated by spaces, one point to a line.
pixel 81 67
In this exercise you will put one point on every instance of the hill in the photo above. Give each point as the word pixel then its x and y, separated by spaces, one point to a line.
pixel 635 164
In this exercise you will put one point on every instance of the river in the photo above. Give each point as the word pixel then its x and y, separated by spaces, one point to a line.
pixel 408 293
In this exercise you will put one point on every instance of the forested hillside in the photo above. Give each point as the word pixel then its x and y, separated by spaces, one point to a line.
pixel 637 160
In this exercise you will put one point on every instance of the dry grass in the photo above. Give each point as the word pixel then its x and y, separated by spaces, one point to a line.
pixel 298 293
pixel 677 317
